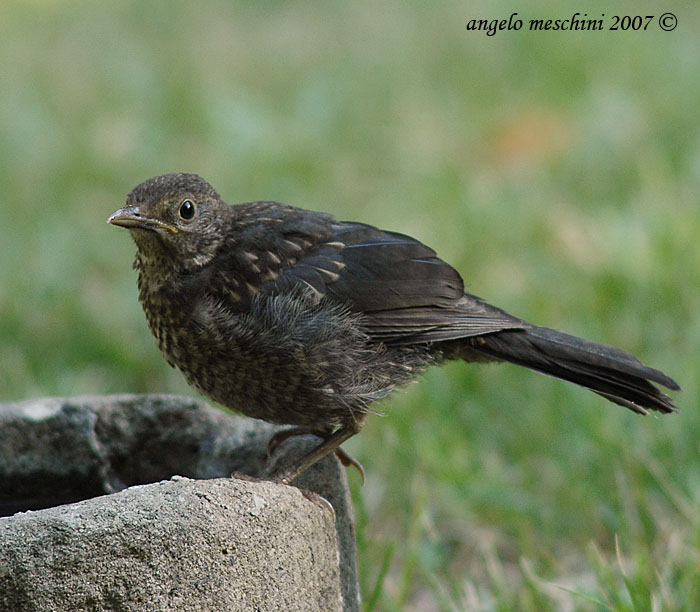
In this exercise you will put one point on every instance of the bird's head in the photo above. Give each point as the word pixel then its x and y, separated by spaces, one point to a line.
pixel 175 219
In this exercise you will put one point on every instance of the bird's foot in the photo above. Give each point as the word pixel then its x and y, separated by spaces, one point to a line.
pixel 348 460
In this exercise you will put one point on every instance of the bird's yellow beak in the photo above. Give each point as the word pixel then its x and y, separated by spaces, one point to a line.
pixel 131 218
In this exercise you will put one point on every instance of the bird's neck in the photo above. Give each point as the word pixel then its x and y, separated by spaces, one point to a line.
pixel 165 302
pixel 156 271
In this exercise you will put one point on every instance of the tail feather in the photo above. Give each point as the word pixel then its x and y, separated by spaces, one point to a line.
pixel 608 371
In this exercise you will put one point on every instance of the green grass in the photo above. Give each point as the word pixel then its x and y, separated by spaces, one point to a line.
pixel 559 172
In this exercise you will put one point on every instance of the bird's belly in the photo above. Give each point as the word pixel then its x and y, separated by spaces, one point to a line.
pixel 251 376
pixel 285 360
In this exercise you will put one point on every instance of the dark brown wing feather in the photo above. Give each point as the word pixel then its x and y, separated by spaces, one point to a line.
pixel 407 294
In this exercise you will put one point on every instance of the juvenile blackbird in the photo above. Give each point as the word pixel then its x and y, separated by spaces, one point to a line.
pixel 290 316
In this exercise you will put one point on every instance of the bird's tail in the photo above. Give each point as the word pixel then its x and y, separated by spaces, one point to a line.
pixel 606 370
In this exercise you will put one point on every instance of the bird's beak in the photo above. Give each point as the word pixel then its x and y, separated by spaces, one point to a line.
pixel 131 217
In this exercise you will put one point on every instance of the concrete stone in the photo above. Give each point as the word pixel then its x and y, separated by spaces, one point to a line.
pixel 220 544
pixel 56 451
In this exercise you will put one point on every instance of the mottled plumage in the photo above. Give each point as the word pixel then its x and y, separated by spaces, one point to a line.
pixel 290 316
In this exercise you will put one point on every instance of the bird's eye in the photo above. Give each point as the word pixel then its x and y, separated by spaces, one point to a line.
pixel 186 210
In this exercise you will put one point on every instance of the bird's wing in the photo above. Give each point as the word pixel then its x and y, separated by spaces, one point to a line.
pixel 405 292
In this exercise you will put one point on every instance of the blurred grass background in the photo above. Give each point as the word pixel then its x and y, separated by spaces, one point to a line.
pixel 559 172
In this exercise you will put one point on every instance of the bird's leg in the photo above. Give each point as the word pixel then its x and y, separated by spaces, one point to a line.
pixel 284 434
pixel 331 443
pixel 343 456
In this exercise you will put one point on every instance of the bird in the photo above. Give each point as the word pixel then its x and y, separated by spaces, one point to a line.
pixel 290 316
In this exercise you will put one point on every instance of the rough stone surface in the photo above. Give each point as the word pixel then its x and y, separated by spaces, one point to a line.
pixel 175 545
pixel 332 483
pixel 57 451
